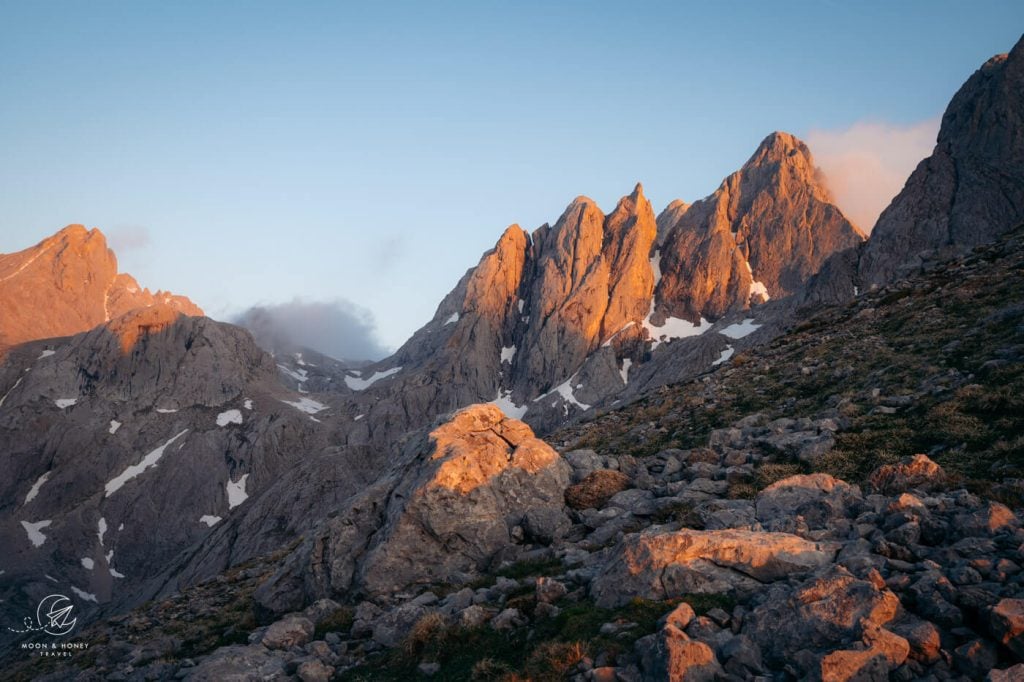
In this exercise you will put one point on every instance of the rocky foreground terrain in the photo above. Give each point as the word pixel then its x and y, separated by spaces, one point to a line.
pixel 779 517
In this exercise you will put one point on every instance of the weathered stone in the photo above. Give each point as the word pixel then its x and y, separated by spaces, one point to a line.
pixel 912 473
pixel 596 489
pixel 288 632
pixel 659 565
pixel 1006 622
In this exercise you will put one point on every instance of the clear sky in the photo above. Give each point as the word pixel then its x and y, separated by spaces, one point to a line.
pixel 245 152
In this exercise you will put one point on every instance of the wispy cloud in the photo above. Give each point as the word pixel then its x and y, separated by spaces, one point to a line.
pixel 128 238
pixel 338 328
pixel 867 163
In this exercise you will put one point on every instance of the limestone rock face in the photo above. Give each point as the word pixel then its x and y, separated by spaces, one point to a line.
pixel 659 565
pixel 442 514
pixel 971 189
pixel 66 284
pixel 771 222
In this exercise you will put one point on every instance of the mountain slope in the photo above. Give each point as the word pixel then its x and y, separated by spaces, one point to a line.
pixel 68 283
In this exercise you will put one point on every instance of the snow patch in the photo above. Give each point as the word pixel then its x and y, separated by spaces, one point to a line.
pixel 521 304
pixel 656 269
pixel 608 341
pixel 504 403
pixel 34 490
pixel 101 529
pixel 236 492
pixel 11 389
pixel 34 530
pixel 358 384
pixel 673 328
pixel 247 404
pixel 358 417
pixel 507 353
pixel 453 319
pixel 307 405
pixel 65 402
pixel 209 520
pixel 134 470
pixel 229 417
pixel 87 563
pixel 624 372
pixel 82 594
pixel 46 353
pixel 565 390
pixel 163 410
pixel 738 330
pixel 114 426
pixel 299 375
pixel 726 354
pixel 760 290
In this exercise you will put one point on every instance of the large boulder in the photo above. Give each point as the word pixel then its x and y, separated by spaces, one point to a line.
pixel 660 565
pixel 818 499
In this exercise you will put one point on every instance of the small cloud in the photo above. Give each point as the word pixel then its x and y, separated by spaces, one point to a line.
pixel 128 238
pixel 340 328
pixel 867 163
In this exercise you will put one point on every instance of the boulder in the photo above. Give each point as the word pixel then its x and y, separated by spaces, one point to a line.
pixel 819 499
pixel 288 632
pixel 912 473
pixel 596 489
pixel 661 565
pixel 1006 623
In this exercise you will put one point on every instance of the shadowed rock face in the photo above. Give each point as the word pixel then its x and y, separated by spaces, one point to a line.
pixel 124 445
pixel 66 284
pixel 971 189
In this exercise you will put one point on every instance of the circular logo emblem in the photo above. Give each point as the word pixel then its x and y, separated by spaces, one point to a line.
pixel 54 615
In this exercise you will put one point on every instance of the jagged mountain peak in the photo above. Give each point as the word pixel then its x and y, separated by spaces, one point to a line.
pixel 69 283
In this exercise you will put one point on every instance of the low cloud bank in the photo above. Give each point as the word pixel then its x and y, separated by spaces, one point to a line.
pixel 339 328
pixel 868 163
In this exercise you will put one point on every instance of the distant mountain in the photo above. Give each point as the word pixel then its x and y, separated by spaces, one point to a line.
pixel 66 284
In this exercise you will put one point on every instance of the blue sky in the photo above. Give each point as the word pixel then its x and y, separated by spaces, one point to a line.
pixel 245 153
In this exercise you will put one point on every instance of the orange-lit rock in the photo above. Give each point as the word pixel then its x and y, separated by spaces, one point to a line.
pixel 661 565
pixel 68 283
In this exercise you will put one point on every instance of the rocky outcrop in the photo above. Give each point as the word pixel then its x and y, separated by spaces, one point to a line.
pixel 66 284
pixel 443 514
pixel 658 565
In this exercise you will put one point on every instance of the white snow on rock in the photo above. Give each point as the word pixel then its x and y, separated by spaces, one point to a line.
pixel 656 270
pixel 624 372
pixel 114 426
pixel 65 402
pixel 298 359
pixel 87 563
pixel 358 384
pixel 9 391
pixel 164 410
pixel 307 405
pixel 229 417
pixel 760 290
pixel 726 354
pixel 738 330
pixel 101 529
pixel 110 562
pixel 507 353
pixel 236 492
pixel 626 326
pixel 34 490
pixel 209 520
pixel 299 375
pixel 34 530
pixel 672 328
pixel 565 390
pixel 82 594
pixel 358 417
pixel 521 304
pixel 453 319
pixel 46 353
pixel 504 403
pixel 134 470
pixel 247 404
